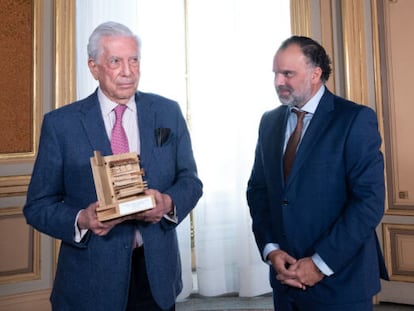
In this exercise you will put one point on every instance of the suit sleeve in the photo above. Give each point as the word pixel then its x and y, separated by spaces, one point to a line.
pixel 186 189
pixel 257 199
pixel 366 192
pixel 45 208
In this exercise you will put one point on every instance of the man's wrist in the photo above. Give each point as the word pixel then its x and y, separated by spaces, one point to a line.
pixel 268 249
pixel 171 213
pixel 79 232
pixel 321 265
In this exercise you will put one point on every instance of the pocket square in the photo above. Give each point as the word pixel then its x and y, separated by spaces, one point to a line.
pixel 161 135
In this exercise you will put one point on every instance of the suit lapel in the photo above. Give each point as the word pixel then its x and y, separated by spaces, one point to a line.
pixel 146 125
pixel 274 144
pixel 321 119
pixel 91 118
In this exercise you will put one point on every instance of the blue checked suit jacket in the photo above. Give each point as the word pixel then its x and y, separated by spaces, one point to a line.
pixel 94 274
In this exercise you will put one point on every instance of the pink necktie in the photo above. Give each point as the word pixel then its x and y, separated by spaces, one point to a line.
pixel 119 143
pixel 119 140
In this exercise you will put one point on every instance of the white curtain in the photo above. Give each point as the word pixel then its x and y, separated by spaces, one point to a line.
pixel 229 53
pixel 232 44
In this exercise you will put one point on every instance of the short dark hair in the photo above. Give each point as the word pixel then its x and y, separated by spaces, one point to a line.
pixel 313 51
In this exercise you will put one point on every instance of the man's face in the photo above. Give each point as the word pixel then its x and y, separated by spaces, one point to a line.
pixel 296 81
pixel 117 69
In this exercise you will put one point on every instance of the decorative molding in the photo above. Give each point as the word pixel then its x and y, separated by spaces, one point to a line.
pixel 378 96
pixel 353 25
pixel 300 17
pixel 377 67
pixel 378 85
pixel 32 270
pixel 399 251
pixel 65 61
pixel 36 93
pixel 326 26
pixel 33 301
pixel 65 66
pixel 398 201
pixel 13 186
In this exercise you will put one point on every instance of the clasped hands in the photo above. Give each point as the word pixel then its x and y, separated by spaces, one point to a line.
pixel 88 219
pixel 300 273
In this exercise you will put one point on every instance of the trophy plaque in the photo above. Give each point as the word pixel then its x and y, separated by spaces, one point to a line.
pixel 119 185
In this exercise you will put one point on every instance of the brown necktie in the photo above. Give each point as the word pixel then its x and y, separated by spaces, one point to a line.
pixel 293 142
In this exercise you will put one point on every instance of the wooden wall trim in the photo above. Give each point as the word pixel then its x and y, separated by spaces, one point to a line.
pixel 398 251
pixel 353 25
pixel 399 201
pixel 32 269
pixel 14 185
pixel 327 41
pixel 33 301
pixel 379 80
pixel 65 66
pixel 65 49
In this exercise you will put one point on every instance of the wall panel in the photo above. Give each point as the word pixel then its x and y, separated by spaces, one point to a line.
pixel 20 97
pixel 19 248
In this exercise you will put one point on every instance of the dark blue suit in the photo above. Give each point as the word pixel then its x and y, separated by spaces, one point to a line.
pixel 331 203
pixel 94 274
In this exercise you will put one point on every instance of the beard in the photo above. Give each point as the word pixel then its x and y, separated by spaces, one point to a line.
pixel 285 95
pixel 288 96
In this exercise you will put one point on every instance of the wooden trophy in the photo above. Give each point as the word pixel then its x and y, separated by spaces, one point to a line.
pixel 119 185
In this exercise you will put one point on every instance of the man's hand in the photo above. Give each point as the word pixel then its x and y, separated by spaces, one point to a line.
pixel 281 262
pixel 88 220
pixel 307 272
pixel 163 205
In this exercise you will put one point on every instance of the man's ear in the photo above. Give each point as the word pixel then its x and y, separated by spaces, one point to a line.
pixel 93 68
pixel 316 74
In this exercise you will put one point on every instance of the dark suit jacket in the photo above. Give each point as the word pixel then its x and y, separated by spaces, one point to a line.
pixel 332 201
pixel 94 274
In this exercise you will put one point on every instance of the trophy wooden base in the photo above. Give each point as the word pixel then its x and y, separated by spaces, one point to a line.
pixel 119 185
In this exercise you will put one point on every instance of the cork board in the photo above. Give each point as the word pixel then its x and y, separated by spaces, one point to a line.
pixel 16 78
